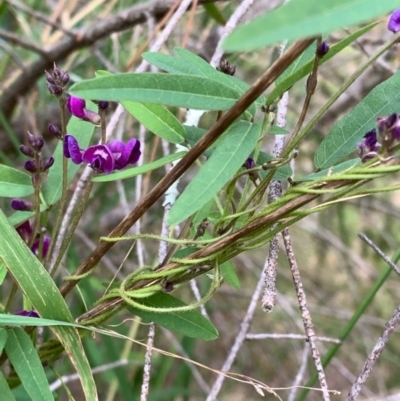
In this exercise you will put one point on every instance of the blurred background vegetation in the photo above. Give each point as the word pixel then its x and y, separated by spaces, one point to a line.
pixel 337 268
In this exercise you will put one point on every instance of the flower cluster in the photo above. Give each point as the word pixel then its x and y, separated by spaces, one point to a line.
pixel 106 158
pixel 25 231
pixel 388 133
pixel 57 80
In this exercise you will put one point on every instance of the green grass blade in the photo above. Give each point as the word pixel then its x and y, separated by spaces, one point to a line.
pixel 5 390
pixel 40 289
pixel 26 362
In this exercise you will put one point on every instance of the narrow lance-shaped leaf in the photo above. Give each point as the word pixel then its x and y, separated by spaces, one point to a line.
pixel 301 18
pixel 26 362
pixel 5 390
pixel 190 323
pixel 157 119
pixel 287 80
pixel 217 171
pixel 171 89
pixel 383 100
pixel 40 289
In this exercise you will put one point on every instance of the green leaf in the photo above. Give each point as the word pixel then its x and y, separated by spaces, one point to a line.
pixel 3 339
pixel 212 10
pixel 19 217
pixel 383 100
pixel 189 63
pixel 307 56
pixel 190 323
pixel 26 362
pixel 339 168
pixel 229 274
pixel 14 183
pixel 286 81
pixel 83 132
pixel 301 18
pixel 281 174
pixel 172 89
pixel 157 119
pixel 205 69
pixel 174 65
pixel 35 282
pixel 134 171
pixel 5 390
pixel 225 161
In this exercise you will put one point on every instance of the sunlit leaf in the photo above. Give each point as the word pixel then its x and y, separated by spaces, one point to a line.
pixel 300 18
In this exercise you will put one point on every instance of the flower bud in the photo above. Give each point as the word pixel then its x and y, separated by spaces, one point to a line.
pixel 30 166
pixel 53 129
pixel 226 68
pixel 26 150
pixel 103 104
pixel 55 90
pixel 322 49
pixel 47 164
pixel 19 204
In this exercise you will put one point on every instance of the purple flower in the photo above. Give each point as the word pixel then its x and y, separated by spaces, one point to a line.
pixel 99 157
pixel 394 21
pixel 125 154
pixel 29 313
pixel 388 129
pixel 25 231
pixel 77 107
pixel 115 155
pixel 369 146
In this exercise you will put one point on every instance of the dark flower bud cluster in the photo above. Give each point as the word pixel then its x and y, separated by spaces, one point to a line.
pixel 322 49
pixel 36 164
pixel 382 139
pixel 57 80
pixel 226 68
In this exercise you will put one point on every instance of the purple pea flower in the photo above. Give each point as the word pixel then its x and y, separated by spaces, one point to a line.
pixel 115 155
pixel 28 313
pixel 369 146
pixel 77 108
pixel 25 231
pixel 394 21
